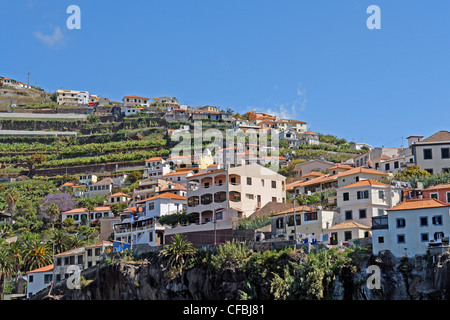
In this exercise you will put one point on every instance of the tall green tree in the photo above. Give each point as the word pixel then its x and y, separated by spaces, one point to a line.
pixel 6 268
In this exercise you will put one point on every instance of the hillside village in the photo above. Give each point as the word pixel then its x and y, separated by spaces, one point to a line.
pixel 87 177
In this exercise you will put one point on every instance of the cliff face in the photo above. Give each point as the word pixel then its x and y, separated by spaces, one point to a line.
pixel 149 281
pixel 418 278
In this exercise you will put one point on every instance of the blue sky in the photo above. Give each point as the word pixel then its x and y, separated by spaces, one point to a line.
pixel 314 61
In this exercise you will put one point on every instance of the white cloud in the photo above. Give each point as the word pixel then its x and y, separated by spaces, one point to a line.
pixel 288 110
pixel 51 40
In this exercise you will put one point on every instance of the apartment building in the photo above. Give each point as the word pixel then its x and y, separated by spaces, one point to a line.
pixel 308 222
pixel 83 257
pixel 133 101
pixel 71 97
pixel 156 167
pixel 139 230
pixel 410 227
pixel 433 153
pixel 285 124
pixel 39 279
pixel 362 200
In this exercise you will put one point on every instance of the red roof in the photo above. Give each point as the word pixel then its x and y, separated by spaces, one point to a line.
pixel 43 269
pixel 165 195
pixel 136 97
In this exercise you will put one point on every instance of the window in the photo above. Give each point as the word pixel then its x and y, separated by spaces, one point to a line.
pixel 249 181
pixel 89 252
pixel 387 167
pixel 345 196
pixel 262 182
pixel 400 238
pixel 380 194
pixel 430 171
pixel 362 213
pixel 347 235
pixel 362 194
pixel 310 216
pixel 401 223
pixel 249 196
pixel 434 196
pixel 274 184
pixel 396 165
pixel 380 212
pixel 274 199
pixel 348 215
pixel 380 239
pixel 448 197
pixel 437 220
pixel 427 154
pixel 424 237
pixel 97 251
pixel 30 279
pixel 48 278
pixel 58 261
pixel 423 221
pixel 438 235
pixel 279 223
pixel 445 153
pixel 219 215
pixel 80 259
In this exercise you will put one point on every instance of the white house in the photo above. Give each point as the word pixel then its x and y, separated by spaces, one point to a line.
pixel 39 279
pixel 82 214
pixel 362 200
pixel 433 153
pixel 410 226
pixel 119 197
pixel 156 167
pixel 163 204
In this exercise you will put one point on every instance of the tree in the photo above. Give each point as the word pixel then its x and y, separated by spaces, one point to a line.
pixel 411 172
pixel 134 176
pixel 34 160
pixel 28 216
pixel 54 204
pixel 61 241
pixel 37 253
pixel 12 196
pixel 6 268
pixel 118 208
pixel 178 251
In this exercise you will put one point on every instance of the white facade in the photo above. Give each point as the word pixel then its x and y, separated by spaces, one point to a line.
pixel 366 199
pixel 163 204
pixel 39 279
pixel 156 168
pixel 408 231
pixel 83 98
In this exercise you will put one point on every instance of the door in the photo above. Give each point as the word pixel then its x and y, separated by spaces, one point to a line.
pixel 334 239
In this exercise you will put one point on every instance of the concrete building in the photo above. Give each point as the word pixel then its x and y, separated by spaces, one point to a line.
pixel 133 101
pixel 433 153
pixel 410 227
pixel 39 279
pixel 162 204
pixel 362 200
pixel 70 97
pixel 156 167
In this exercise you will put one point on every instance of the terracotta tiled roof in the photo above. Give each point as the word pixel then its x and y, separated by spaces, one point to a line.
pixel 177 173
pixel 99 244
pixel 298 209
pixel 439 186
pixel 155 159
pixel 340 166
pixel 313 174
pixel 165 195
pixel 119 194
pixel 348 225
pixel 43 269
pixel 368 182
pixel 294 184
pixel 413 204
pixel 361 170
pixel 83 210
pixel 438 136
pixel 136 97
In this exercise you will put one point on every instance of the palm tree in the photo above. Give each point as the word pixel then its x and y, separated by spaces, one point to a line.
pixel 6 268
pixel 12 196
pixel 178 251
pixel 61 241
pixel 36 253
pixel 76 242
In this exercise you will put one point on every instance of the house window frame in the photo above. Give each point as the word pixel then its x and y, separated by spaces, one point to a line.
pixel 422 237
pixel 420 221
pixel 397 220
pixel 428 157
pixel 434 193
pixel 398 238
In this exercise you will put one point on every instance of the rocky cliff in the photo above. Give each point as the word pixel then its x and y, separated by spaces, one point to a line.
pixel 418 278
